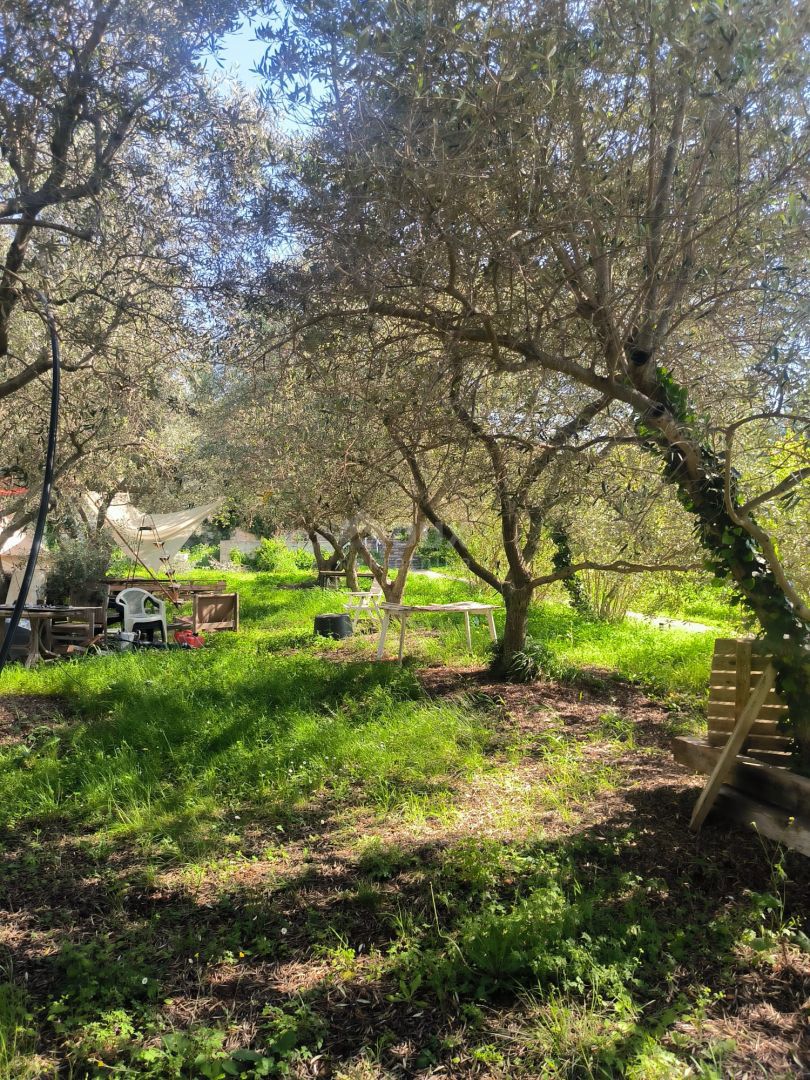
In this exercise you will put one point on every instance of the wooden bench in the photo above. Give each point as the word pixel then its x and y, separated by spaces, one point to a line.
pixel 177 590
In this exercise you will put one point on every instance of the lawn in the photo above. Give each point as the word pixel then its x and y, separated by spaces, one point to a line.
pixel 275 857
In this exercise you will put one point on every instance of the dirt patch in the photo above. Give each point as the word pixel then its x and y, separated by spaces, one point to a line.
pixel 584 708
pixel 22 715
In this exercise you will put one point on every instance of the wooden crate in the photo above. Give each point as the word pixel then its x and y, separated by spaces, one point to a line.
pixel 735 666
pixel 215 611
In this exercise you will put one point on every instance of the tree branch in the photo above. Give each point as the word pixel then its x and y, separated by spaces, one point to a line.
pixel 79 234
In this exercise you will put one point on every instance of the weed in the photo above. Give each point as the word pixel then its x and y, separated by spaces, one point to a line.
pixel 537 659
pixel 17 1034
pixel 615 727
pixel 378 860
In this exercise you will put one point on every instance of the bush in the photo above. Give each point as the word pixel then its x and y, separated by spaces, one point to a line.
pixel 272 555
pixel 120 563
pixel 535 660
pixel 202 555
pixel 434 550
pixel 605 595
pixel 77 567
pixel 236 556
pixel 304 559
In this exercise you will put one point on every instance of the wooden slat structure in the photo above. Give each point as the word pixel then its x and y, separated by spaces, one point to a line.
pixel 753 778
pixel 736 667
pixel 177 590
pixel 215 611
pixel 746 751
pixel 733 747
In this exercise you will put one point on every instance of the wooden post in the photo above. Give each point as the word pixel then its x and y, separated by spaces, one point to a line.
pixel 733 747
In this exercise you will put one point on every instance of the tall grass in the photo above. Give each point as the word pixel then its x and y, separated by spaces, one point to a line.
pixel 189 757
pixel 165 745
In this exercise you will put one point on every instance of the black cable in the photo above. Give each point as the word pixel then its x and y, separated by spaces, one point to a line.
pixel 47 483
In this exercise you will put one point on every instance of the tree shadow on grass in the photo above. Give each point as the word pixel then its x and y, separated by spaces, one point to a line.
pixel 644 910
pixel 157 752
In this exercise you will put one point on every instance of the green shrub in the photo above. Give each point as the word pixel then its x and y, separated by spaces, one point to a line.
pixel 236 556
pixel 304 560
pixel 434 549
pixel 77 566
pixel 271 556
pixel 120 563
pixel 202 555
pixel 534 661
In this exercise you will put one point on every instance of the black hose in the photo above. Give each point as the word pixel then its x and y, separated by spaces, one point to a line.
pixel 45 499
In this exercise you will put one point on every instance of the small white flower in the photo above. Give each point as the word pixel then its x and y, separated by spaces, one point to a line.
pixel 144 981
pixel 284 929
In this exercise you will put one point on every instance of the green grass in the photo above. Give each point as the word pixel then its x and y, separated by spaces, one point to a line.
pixel 692 597
pixel 666 661
pixel 201 820
pixel 164 746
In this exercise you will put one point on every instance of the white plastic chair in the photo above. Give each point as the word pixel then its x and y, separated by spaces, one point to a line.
pixel 363 605
pixel 133 603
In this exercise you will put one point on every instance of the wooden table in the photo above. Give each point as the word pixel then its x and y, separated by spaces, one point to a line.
pixel 39 616
pixel 174 589
pixel 329 576
pixel 402 611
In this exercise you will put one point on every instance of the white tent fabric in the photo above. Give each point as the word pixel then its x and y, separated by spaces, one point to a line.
pixel 151 537
pixel 36 591
pixel 13 558
pixel 17 546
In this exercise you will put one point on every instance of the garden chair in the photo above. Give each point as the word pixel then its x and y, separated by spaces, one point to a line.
pixel 136 616
pixel 365 605
pixel 76 634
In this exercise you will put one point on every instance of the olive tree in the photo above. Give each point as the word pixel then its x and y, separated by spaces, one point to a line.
pixel 90 92
pixel 291 443
pixel 607 194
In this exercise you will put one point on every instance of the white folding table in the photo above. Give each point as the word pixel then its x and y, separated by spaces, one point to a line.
pixel 402 611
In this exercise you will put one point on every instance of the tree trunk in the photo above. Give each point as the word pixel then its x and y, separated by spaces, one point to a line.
pixel 322 562
pixel 516 601
pixel 392 590
pixel 351 569
pixel 414 540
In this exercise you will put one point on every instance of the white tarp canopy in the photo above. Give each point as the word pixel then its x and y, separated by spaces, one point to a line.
pixel 14 554
pixel 150 537
pixel 17 546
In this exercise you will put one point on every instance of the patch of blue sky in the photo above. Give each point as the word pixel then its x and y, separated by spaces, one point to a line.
pixel 238 56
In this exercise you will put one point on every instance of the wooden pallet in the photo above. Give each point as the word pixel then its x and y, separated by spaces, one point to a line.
pixel 746 752
pixel 736 667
